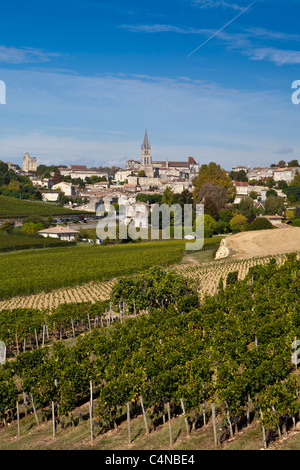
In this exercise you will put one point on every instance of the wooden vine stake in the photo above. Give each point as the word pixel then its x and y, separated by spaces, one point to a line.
pixel 170 425
pixel 25 403
pixel 228 419
pixel 278 427
pixel 91 422
pixel 185 418
pixel 203 404
pixel 53 418
pixel 43 338
pixel 36 338
pixel 144 415
pixel 248 411
pixel 91 411
pixel 263 429
pixel 18 418
pixel 128 422
pixel 34 409
pixel 213 412
pixel 73 329
pixel 17 344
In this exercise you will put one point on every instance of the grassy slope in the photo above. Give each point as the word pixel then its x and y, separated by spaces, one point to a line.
pixel 40 437
pixel 13 207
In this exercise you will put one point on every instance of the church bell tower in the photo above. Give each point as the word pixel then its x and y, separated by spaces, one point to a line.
pixel 146 158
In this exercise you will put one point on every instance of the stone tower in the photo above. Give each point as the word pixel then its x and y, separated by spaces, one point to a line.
pixel 29 163
pixel 146 158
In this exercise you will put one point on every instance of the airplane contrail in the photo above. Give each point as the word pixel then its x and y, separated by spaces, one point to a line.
pixel 225 26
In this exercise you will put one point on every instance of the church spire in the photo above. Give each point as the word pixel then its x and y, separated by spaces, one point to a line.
pixel 146 158
pixel 146 142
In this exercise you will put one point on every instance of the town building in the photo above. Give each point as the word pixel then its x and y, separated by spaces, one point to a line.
pixel 12 166
pixel 50 196
pixel 81 171
pixel 285 174
pixel 149 173
pixel 29 163
pixel 63 233
pixel 67 188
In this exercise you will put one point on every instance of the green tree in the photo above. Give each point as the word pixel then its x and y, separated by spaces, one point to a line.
pixel 168 196
pixel 270 182
pixel 31 227
pixel 7 226
pixel 213 173
pixel 241 176
pixel 260 223
pixel 271 192
pixel 238 223
pixel 213 197
pixel 246 207
pixel 296 180
pixel 274 205
pixel 253 195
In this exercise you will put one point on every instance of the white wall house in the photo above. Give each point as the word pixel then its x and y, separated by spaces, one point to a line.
pixel 241 191
pixel 63 233
pixel 285 174
pixel 50 196
pixel 67 188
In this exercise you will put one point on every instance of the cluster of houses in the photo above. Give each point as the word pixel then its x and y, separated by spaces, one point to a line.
pixel 143 175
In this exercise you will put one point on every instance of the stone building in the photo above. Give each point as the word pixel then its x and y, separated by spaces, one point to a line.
pixel 29 163
pixel 156 173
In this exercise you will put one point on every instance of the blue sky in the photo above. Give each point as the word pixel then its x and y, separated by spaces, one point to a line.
pixel 85 78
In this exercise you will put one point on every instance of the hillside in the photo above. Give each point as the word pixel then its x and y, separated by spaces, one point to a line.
pixel 260 243
pixel 235 359
pixel 12 207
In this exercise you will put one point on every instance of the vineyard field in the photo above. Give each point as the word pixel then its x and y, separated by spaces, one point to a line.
pixel 33 272
pixel 12 242
pixel 89 292
pixel 13 207
pixel 163 358
pixel 205 278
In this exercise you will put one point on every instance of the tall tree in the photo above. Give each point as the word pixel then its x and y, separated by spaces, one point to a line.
pixel 213 173
pixel 213 197
pixel 246 207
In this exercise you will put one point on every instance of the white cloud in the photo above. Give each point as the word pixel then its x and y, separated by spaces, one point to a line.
pixel 246 42
pixel 277 56
pixel 160 28
pixel 217 4
pixel 67 119
pixel 16 55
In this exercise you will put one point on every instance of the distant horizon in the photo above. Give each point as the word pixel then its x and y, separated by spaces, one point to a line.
pixel 110 166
